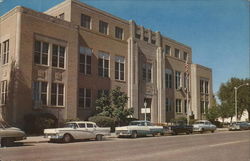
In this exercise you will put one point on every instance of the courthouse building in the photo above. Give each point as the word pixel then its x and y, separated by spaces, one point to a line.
pixel 61 60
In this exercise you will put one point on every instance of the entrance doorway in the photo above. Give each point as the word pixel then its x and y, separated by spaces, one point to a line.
pixel 149 102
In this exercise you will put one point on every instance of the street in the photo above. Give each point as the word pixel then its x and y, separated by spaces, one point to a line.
pixel 219 146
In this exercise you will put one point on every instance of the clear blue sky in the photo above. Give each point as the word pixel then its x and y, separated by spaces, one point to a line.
pixel 217 30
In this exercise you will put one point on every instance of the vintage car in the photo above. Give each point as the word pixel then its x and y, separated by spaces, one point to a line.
pixel 203 125
pixel 178 127
pixel 77 130
pixel 139 128
pixel 239 126
pixel 9 134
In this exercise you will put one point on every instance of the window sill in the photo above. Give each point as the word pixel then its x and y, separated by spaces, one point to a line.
pixel 120 81
pixel 57 68
pixel 42 65
pixel 54 106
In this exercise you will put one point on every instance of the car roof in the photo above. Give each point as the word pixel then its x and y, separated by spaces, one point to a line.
pixel 81 122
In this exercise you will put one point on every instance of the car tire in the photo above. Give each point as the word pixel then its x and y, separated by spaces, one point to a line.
pixel 202 131
pixel 187 132
pixel 67 138
pixel 99 138
pixel 212 131
pixel 134 134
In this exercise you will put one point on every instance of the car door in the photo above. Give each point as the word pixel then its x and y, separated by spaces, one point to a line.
pixel 83 131
pixel 91 130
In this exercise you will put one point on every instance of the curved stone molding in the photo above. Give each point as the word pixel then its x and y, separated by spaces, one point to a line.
pixel 58 76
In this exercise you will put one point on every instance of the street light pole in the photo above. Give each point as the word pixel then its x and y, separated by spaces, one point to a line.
pixel 235 97
pixel 145 113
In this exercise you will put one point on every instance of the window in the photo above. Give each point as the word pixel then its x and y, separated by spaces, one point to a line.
pixel 85 21
pixel 61 16
pixel 145 39
pixel 5 52
pixel 39 93
pixel 103 27
pixel 206 106
pixel 57 94
pixel 147 72
pixel 185 106
pixel 102 92
pixel 82 125
pixel 90 125
pixel 202 109
pixel 58 55
pixel 185 56
pixel 168 105
pixel 153 41
pixel 201 86
pixel 167 50
pixel 41 52
pixel 4 92
pixel 206 87
pixel 85 60
pixel 119 67
pixel 177 80
pixel 103 64
pixel 119 33
pixel 177 53
pixel 138 36
pixel 84 97
pixel 178 106
pixel 168 78
pixel 186 81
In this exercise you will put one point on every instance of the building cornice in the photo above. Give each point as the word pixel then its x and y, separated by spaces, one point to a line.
pixel 176 42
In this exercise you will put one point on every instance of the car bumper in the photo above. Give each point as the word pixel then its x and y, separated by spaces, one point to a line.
pixel 123 133
pixel 54 136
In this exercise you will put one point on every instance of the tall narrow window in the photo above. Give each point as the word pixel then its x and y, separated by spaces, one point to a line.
pixel 178 106
pixel 177 80
pixel 103 27
pixel 57 94
pixel 86 21
pixel 119 67
pixel 103 64
pixel 201 86
pixel 167 50
pixel 39 93
pixel 4 92
pixel 185 106
pixel 206 106
pixel 5 52
pixel 147 72
pixel 102 92
pixel 41 52
pixel 202 108
pixel 168 105
pixel 206 87
pixel 58 55
pixel 185 55
pixel 85 60
pixel 168 78
pixel 119 33
pixel 177 53
pixel 84 97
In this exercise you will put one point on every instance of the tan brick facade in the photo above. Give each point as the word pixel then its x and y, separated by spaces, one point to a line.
pixel 39 42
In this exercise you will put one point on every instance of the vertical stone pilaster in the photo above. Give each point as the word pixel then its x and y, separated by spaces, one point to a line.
pixel 133 76
pixel 161 85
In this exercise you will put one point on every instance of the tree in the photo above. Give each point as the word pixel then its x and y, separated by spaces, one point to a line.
pixel 227 94
pixel 113 106
pixel 212 113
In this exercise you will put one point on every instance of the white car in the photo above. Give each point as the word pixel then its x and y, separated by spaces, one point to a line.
pixel 77 130
pixel 139 128
pixel 203 125
pixel 10 134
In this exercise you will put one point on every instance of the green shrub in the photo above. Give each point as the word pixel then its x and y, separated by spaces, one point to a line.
pixel 103 121
pixel 35 123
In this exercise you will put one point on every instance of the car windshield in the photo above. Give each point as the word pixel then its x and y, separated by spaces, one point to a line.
pixel 4 125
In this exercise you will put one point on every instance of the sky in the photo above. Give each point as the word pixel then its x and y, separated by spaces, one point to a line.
pixel 216 30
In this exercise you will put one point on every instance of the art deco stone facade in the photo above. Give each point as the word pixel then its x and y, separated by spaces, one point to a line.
pixel 60 60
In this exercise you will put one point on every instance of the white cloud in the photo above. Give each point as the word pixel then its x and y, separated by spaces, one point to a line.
pixel 1 1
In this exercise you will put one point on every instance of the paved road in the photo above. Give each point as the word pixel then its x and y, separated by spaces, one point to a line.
pixel 224 146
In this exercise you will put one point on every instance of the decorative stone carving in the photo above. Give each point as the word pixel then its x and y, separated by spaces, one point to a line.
pixel 41 74
pixel 58 76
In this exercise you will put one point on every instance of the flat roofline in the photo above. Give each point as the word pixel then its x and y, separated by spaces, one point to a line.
pixel 176 42
pixel 201 66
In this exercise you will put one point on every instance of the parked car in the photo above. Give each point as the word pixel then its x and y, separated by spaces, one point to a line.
pixel 178 127
pixel 203 125
pixel 77 130
pixel 9 134
pixel 139 128
pixel 239 126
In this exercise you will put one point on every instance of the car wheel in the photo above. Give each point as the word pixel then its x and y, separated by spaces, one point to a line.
pixel 67 138
pixel 212 131
pixel 99 137
pixel 187 132
pixel 134 134
pixel 202 131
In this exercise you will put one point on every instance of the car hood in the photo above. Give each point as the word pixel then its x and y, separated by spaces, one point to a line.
pixel 11 132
